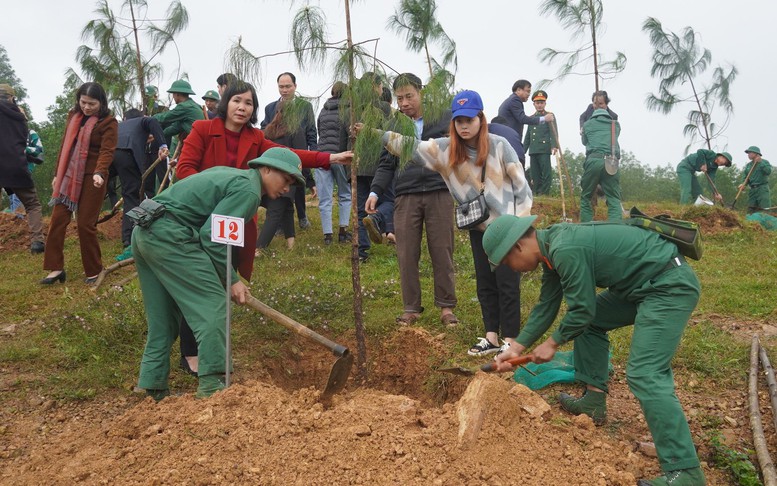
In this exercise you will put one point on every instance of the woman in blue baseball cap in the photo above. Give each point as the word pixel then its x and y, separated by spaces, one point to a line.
pixel 474 162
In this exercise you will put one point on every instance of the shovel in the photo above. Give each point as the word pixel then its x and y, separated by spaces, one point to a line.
pixel 342 367
pixel 489 367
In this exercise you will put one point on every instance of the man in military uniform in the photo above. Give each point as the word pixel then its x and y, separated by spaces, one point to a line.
pixel 211 98
pixel 759 197
pixel 540 142
pixel 647 284
pixel 154 105
pixel 702 161
pixel 182 272
pixel 598 139
pixel 178 121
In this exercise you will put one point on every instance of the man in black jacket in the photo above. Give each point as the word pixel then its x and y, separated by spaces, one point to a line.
pixel 15 176
pixel 422 199
pixel 130 161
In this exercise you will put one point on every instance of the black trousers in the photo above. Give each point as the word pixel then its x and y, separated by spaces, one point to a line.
pixel 499 292
pixel 129 175
pixel 280 214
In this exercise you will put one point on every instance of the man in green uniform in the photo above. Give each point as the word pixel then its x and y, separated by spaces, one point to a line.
pixel 647 284
pixel 702 161
pixel 759 197
pixel 598 138
pixel 182 272
pixel 540 142
pixel 178 121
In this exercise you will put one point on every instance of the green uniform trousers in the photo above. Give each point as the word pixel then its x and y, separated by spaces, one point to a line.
pixel 690 188
pixel 594 174
pixel 178 278
pixel 759 198
pixel 659 311
pixel 541 173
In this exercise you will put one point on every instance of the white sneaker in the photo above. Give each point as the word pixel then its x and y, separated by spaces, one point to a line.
pixel 483 347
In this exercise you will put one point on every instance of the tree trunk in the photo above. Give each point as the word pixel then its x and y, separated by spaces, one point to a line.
pixel 770 380
pixel 592 8
pixel 141 77
pixel 358 313
pixel 428 60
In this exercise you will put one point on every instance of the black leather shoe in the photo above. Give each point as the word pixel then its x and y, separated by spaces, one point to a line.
pixel 186 368
pixel 91 280
pixel 56 278
pixel 37 247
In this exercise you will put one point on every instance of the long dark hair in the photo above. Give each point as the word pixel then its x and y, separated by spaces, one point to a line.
pixel 96 91
pixel 458 147
pixel 238 87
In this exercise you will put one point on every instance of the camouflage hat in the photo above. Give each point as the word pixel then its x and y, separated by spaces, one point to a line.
pixel 539 95
pixel 181 86
pixel 7 90
pixel 753 149
pixel 211 94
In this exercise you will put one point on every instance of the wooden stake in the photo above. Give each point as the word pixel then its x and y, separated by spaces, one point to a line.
pixel 759 441
pixel 105 271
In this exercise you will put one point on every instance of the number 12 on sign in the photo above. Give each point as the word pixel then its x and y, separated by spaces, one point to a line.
pixel 227 230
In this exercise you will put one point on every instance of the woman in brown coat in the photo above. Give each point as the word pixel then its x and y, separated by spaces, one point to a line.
pixel 80 182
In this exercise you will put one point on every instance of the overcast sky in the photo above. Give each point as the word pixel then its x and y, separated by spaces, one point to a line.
pixel 498 42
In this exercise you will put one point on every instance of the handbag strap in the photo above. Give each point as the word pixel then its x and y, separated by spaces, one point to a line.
pixel 483 178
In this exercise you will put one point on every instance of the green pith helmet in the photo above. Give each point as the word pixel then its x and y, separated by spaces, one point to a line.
pixel 282 159
pixel 151 90
pixel 181 86
pixel 753 149
pixel 211 94
pixel 727 156
pixel 502 234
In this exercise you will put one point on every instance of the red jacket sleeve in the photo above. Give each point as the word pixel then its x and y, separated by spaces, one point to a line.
pixel 190 160
pixel 310 159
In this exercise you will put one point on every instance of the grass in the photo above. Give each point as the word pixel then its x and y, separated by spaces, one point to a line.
pixel 81 345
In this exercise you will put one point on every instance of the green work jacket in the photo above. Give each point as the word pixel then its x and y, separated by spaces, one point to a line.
pixel 597 136
pixel 695 162
pixel 219 190
pixel 540 139
pixel 579 258
pixel 179 119
pixel 760 174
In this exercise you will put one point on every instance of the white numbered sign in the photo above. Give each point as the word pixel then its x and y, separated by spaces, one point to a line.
pixel 227 230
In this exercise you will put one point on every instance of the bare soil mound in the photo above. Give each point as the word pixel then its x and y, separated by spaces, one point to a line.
pixel 260 434
pixel 713 219
pixel 15 233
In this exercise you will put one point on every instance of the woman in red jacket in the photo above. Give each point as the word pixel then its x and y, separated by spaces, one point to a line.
pixel 80 182
pixel 231 140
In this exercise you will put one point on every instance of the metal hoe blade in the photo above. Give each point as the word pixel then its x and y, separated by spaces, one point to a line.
pixel 338 377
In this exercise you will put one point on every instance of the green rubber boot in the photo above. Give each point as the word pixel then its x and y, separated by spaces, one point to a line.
pixel 210 384
pixel 681 477
pixel 592 403
pixel 158 395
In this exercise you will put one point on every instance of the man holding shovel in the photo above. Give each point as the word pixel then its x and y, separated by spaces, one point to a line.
pixel 756 176
pixel 647 284
pixel 705 161
pixel 190 279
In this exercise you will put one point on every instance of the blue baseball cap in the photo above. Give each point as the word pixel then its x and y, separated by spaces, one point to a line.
pixel 466 103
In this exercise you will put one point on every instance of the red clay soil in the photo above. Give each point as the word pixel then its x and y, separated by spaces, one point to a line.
pixel 15 233
pixel 258 433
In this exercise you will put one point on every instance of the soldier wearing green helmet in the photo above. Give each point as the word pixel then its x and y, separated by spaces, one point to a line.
pixel 190 281
pixel 211 98
pixel 179 120
pixel 756 177
pixel 702 161
pixel 647 284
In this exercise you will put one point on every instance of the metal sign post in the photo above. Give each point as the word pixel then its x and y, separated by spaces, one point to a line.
pixel 230 232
